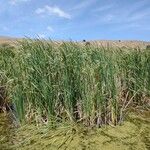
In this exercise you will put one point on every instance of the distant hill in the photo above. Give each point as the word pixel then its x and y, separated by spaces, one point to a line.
pixel 10 40
pixel 105 43
pixel 121 43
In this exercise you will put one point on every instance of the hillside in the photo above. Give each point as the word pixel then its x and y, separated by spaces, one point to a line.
pixel 105 43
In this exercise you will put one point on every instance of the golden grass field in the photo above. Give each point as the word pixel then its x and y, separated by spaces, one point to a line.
pixel 105 43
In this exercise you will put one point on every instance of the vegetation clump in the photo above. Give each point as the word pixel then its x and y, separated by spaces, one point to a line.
pixel 90 85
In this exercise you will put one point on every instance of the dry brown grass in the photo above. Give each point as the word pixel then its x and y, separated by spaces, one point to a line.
pixel 105 43
pixel 121 43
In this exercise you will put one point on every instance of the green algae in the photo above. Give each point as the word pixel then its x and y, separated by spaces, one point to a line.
pixel 133 134
pixel 6 132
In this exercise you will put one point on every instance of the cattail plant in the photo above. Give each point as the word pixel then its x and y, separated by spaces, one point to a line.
pixel 83 84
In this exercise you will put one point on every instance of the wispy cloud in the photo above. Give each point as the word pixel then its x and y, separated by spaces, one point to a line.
pixel 103 8
pixel 132 26
pixel 14 2
pixel 5 28
pixel 139 15
pixel 127 26
pixel 83 4
pixel 124 15
pixel 136 6
pixel 49 28
pixel 109 18
pixel 53 10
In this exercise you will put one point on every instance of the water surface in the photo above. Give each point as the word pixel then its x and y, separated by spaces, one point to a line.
pixel 133 134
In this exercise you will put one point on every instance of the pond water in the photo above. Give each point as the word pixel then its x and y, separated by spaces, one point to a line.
pixel 133 134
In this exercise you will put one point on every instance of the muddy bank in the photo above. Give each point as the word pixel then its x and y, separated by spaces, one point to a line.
pixel 133 134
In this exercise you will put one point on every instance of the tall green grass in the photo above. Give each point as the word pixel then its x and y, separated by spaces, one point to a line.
pixel 87 84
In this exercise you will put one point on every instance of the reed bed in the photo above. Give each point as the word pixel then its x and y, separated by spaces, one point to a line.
pixel 89 84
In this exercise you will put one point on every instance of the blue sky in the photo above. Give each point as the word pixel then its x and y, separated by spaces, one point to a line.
pixel 76 19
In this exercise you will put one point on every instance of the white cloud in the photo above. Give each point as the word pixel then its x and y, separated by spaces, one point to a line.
pixel 40 11
pixel 49 28
pixel 52 10
pixel 14 2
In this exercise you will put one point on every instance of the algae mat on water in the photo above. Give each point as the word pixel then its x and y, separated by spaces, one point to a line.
pixel 134 134
pixel 6 132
